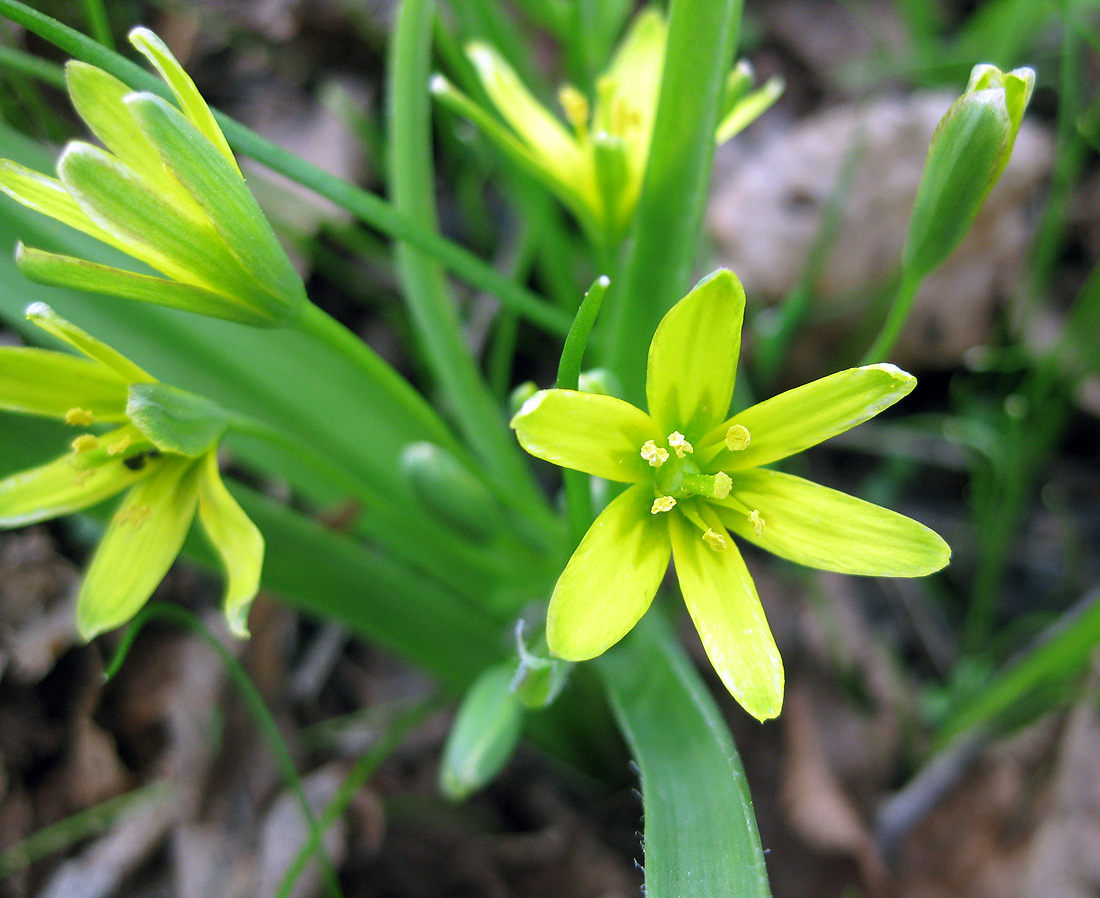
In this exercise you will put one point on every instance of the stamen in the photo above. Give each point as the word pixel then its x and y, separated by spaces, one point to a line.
pixel 682 446
pixel 662 503
pixel 119 447
pixel 86 442
pixel 135 515
pixel 722 485
pixel 738 437
pixel 757 521
pixel 716 541
pixel 79 417
pixel 654 454
pixel 575 106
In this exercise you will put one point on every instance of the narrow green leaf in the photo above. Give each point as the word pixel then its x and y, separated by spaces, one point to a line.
pixel 700 831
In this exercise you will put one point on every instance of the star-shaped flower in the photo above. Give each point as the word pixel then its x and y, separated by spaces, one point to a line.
pixel 159 444
pixel 697 476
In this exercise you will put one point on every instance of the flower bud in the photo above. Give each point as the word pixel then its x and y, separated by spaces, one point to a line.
pixel 969 150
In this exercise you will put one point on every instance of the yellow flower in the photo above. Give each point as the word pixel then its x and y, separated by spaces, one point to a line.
pixel 696 476
pixel 160 446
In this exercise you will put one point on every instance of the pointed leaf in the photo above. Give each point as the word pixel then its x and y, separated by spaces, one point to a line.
pixel 141 542
pixel 693 357
pixel 238 541
pixel 722 600
pixel 600 435
pixel 46 318
pixel 42 382
pixel 808 415
pixel 60 488
pixel 194 106
pixel 611 579
pixel 823 528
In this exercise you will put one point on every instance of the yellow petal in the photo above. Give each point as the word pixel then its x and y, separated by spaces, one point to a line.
pixel 611 579
pixel 723 603
pixel 238 541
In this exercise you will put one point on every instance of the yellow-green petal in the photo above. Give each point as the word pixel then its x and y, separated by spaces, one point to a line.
pixel 539 129
pixel 99 99
pixel 693 357
pixel 48 195
pixel 143 539
pixel 808 415
pixel 611 579
pixel 721 597
pixel 635 74
pixel 194 106
pixel 68 271
pixel 43 382
pixel 823 528
pixel 59 488
pixel 238 541
pixel 597 434
pixel 41 315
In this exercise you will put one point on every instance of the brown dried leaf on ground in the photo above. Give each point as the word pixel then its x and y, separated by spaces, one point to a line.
pixel 765 212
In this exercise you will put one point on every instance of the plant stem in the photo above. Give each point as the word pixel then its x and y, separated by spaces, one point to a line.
pixel 895 319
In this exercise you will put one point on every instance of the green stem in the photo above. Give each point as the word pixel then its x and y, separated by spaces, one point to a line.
pixel 99 26
pixel 43 70
pixel 578 486
pixel 252 700
pixel 702 36
pixel 895 319
pixel 363 205
pixel 433 310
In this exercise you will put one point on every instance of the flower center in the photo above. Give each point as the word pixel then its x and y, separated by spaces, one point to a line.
pixel 676 475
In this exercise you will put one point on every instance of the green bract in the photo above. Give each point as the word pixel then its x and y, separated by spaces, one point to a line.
pixel 696 477
pixel 596 163
pixel 167 191
pixel 160 445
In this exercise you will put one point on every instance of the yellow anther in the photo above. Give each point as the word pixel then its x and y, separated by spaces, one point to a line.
pixel 119 447
pixel 575 106
pixel 722 485
pixel 757 521
pixel 682 446
pixel 738 437
pixel 79 417
pixel 86 442
pixel 716 541
pixel 654 454
pixel 134 516
pixel 662 503
pixel 81 476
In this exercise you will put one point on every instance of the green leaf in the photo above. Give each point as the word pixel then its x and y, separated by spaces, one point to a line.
pixel 700 832
pixel 143 539
pixel 822 528
pixel 611 579
pixel 807 415
pixel 693 357
pixel 238 542
pixel 175 420
pixel 600 435
pixel 721 597
pixel 42 382
pixel 484 735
